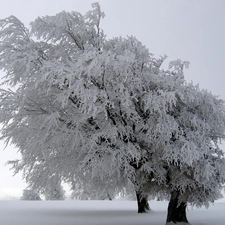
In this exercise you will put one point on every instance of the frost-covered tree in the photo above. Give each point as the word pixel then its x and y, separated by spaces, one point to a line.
pixel 54 189
pixel 44 180
pixel 197 172
pixel 195 169
pixel 95 190
pixel 30 195
pixel 71 83
pixel 189 152
pixel 89 109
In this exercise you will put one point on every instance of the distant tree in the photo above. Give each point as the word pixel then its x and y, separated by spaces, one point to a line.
pixel 54 189
pixel 102 113
pixel 30 195
pixel 98 189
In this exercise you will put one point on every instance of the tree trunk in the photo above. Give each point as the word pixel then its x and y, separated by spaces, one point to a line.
pixel 176 212
pixel 142 201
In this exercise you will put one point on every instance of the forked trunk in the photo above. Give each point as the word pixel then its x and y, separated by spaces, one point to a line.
pixel 176 212
pixel 142 201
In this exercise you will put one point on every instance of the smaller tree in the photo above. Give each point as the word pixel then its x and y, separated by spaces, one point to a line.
pixel 30 195
pixel 54 189
pixel 98 189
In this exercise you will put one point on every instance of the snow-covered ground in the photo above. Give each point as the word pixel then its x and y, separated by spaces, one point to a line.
pixel 99 213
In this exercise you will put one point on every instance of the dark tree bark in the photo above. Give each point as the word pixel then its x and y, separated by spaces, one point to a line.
pixel 176 212
pixel 142 201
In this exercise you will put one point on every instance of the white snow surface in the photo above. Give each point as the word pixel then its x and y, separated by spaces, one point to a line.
pixel 115 212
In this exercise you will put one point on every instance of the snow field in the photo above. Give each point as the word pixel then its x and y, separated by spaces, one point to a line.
pixel 99 213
